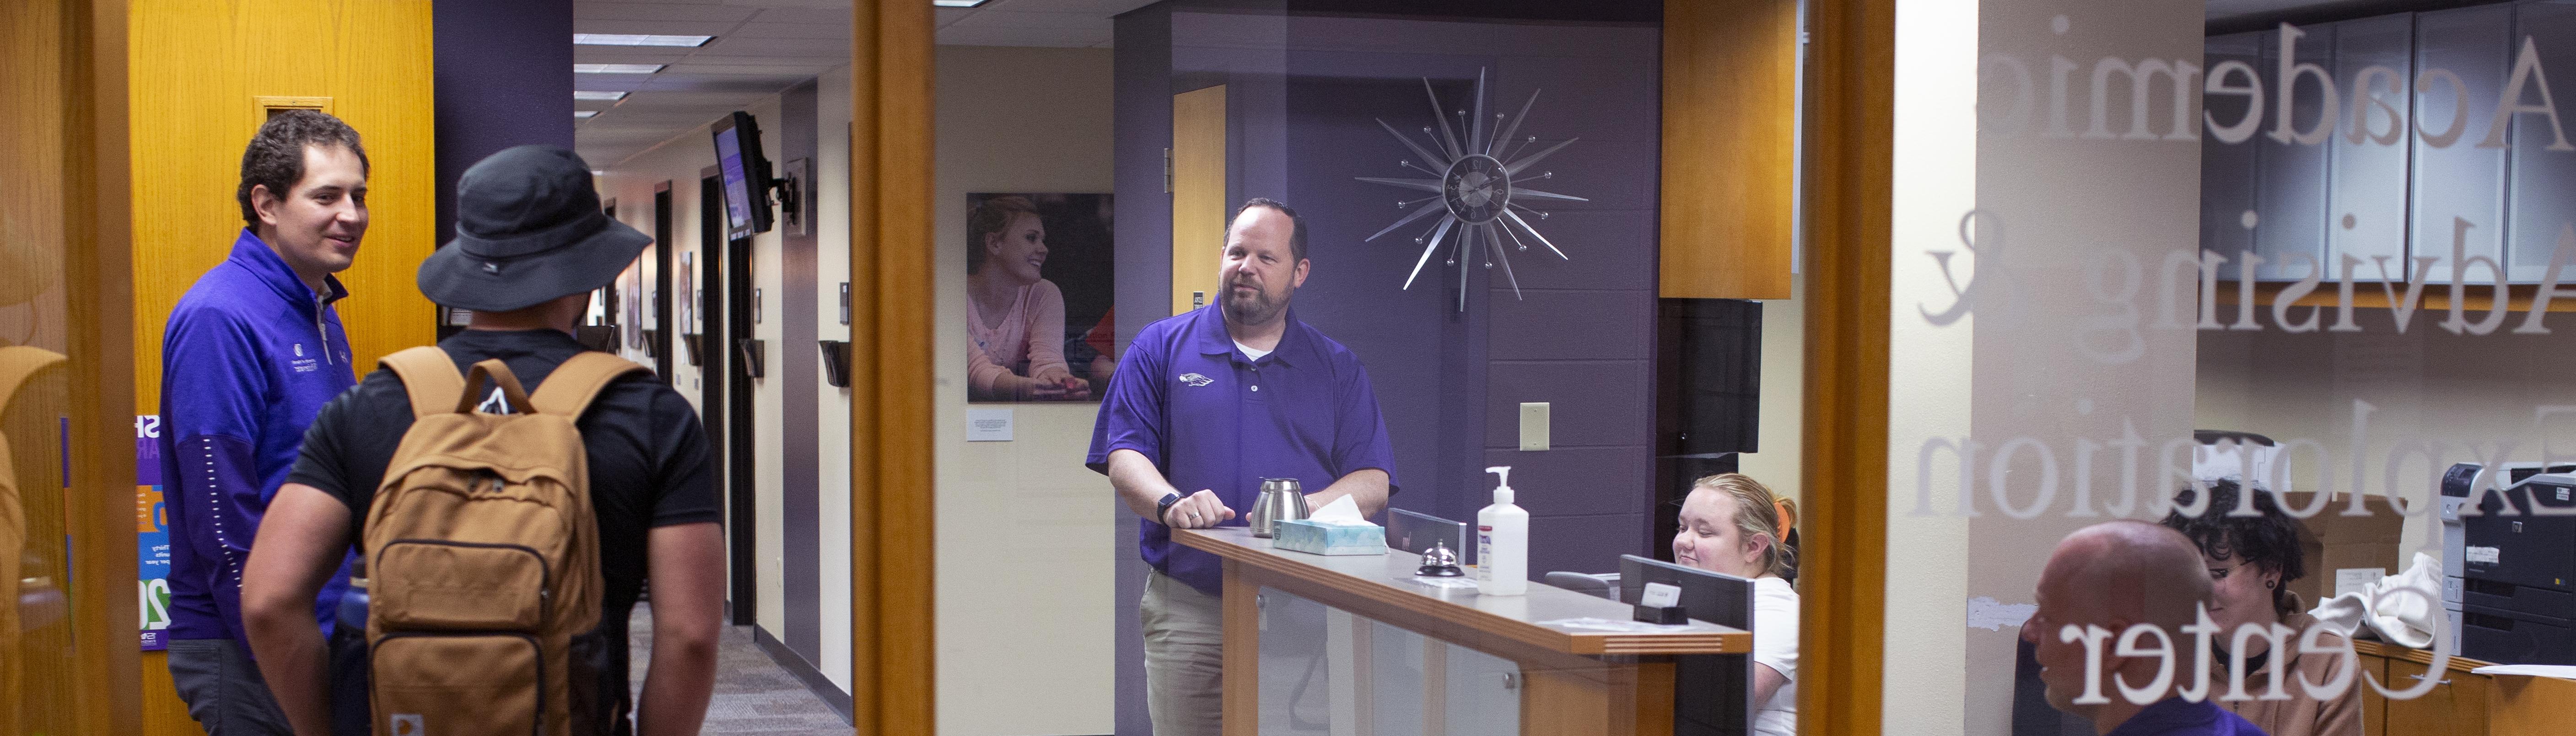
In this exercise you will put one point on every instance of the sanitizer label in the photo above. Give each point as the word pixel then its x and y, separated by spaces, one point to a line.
pixel 1484 552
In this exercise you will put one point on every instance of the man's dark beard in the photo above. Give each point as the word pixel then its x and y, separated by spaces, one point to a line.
pixel 1255 309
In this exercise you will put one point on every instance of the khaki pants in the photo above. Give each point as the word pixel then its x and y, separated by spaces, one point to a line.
pixel 1184 657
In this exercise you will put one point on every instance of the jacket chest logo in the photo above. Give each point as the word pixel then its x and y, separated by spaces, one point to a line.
pixel 303 364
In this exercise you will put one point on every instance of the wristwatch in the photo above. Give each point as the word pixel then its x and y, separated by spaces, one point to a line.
pixel 1165 505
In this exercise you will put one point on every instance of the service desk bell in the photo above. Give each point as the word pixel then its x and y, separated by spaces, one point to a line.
pixel 1439 561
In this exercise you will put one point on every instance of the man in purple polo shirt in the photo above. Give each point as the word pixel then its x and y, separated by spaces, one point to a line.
pixel 1213 401
pixel 2102 580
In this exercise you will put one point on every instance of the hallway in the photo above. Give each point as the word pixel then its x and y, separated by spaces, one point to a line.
pixel 753 694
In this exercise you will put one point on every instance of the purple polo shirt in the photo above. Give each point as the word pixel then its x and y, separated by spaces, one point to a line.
pixel 2179 717
pixel 1211 418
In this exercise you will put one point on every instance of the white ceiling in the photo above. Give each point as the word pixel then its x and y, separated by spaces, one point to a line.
pixel 764 46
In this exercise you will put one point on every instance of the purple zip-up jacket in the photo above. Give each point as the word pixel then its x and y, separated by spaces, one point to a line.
pixel 250 356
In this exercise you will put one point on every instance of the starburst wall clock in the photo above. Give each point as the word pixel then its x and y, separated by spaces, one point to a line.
pixel 1479 189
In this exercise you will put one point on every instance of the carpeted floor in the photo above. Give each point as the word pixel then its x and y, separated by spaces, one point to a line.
pixel 753 694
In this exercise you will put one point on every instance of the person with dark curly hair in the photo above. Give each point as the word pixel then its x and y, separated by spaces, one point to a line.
pixel 2252 560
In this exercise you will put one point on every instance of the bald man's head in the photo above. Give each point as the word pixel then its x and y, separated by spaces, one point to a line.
pixel 2102 580
pixel 2126 572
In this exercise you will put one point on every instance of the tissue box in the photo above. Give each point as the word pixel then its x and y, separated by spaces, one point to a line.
pixel 1307 535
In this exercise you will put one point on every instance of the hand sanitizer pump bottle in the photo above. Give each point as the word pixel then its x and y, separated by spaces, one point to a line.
pixel 1502 542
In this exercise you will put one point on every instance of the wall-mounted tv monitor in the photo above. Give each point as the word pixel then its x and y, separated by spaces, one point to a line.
pixel 746 175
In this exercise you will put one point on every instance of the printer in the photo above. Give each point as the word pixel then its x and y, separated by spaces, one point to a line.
pixel 2518 571
pixel 2457 483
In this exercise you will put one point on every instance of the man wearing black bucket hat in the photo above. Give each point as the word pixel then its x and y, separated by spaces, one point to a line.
pixel 531 244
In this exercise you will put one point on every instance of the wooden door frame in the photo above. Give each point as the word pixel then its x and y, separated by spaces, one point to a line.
pixel 1849 141
pixel 893 667
pixel 98 285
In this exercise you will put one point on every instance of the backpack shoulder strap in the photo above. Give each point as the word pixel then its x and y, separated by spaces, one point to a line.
pixel 568 390
pixel 17 364
pixel 430 377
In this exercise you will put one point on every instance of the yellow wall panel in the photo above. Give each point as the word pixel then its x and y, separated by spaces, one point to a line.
pixel 199 69
pixel 1199 206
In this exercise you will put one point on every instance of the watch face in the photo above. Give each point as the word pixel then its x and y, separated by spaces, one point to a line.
pixel 1477 188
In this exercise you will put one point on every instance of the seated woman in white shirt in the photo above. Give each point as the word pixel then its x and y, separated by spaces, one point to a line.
pixel 1730 524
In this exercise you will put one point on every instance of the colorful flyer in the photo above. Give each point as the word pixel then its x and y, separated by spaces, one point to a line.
pixel 151 533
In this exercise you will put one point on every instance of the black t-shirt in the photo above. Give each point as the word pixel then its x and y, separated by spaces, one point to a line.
pixel 649 462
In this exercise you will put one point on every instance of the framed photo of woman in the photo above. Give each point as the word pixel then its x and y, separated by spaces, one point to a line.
pixel 1039 295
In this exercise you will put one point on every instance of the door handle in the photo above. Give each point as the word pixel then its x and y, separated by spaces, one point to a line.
pixel 2420 678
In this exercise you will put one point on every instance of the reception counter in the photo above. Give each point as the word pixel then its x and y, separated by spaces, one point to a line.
pixel 1386 650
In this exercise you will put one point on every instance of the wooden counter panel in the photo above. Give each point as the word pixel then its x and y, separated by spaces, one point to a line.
pixel 2529 706
pixel 1502 625
pixel 2459 706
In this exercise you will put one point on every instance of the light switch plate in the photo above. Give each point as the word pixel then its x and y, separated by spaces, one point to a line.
pixel 1534 425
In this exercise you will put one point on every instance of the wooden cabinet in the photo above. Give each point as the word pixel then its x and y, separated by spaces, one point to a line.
pixel 2374 706
pixel 2457 706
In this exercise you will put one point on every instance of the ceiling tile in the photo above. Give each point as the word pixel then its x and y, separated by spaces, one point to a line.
pixel 840 16
pixel 627 55
pixel 1101 8
pixel 1053 37
pixel 1011 19
pixel 840 31
pixel 698 12
pixel 676 27
pixel 774 47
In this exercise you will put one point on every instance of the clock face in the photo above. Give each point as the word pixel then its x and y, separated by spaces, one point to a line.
pixel 1477 189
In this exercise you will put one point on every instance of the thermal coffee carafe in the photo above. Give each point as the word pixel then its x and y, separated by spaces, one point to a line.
pixel 1282 499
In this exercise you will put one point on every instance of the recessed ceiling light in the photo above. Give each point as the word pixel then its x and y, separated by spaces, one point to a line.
pixel 958 3
pixel 616 68
pixel 598 96
pixel 638 39
pixel 583 114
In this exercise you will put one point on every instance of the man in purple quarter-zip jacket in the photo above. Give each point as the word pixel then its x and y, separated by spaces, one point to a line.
pixel 252 352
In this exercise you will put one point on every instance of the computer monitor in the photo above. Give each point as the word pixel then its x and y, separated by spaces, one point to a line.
pixel 1415 532
pixel 1712 693
pixel 745 175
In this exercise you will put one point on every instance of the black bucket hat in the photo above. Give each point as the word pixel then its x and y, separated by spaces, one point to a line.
pixel 528 230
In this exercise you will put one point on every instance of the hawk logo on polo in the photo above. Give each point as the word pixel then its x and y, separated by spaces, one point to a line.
pixel 1196 380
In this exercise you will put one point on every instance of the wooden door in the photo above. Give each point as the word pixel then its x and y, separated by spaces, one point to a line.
pixel 1199 202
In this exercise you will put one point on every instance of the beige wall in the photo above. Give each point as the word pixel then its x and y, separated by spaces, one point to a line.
pixel 2469 392
pixel 1025 552
pixel 631 181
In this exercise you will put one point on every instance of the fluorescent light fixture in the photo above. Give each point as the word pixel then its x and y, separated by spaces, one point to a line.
pixel 957 3
pixel 583 114
pixel 637 39
pixel 616 68
pixel 598 96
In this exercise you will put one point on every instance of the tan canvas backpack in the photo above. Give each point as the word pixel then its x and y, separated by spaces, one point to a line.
pixel 482 555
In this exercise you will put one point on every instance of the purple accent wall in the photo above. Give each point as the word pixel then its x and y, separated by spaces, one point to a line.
pixel 504 76
pixel 1142 83
pixel 1304 92
pixel 1580 335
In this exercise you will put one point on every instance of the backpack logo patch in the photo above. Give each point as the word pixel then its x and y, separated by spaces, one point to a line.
pixel 496 403
pixel 408 724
